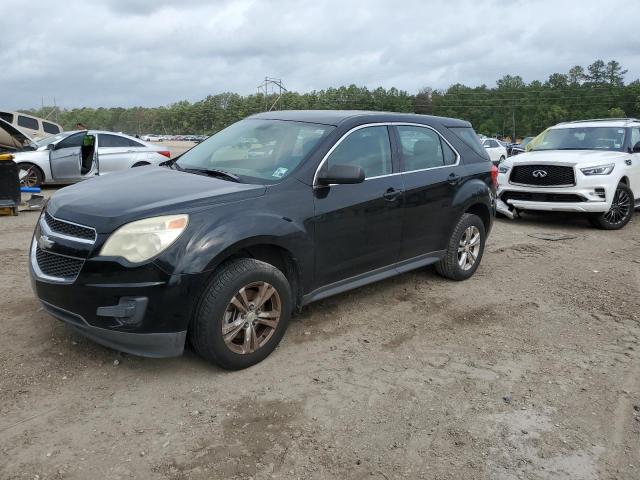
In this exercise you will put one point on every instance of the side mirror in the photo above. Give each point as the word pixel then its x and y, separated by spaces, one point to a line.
pixel 636 148
pixel 341 174
pixel 51 146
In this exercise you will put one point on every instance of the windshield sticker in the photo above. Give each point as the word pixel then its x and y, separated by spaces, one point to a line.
pixel 280 172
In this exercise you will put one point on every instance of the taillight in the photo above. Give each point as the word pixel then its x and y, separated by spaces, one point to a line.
pixel 166 153
pixel 494 176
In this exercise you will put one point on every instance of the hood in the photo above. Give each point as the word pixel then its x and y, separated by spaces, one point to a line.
pixel 110 201
pixel 568 157
pixel 12 138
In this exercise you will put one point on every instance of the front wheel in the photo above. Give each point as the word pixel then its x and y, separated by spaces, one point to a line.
pixel 465 249
pixel 620 212
pixel 30 175
pixel 242 315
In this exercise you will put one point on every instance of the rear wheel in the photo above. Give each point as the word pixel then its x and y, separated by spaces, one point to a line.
pixel 242 315
pixel 139 164
pixel 620 212
pixel 465 249
pixel 30 175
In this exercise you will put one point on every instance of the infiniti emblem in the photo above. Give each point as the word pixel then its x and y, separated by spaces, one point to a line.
pixel 45 242
pixel 539 173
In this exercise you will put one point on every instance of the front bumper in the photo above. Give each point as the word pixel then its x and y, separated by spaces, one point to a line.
pixel 155 345
pixel 595 195
pixel 584 207
pixel 140 310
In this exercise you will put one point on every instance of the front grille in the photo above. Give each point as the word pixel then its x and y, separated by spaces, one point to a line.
pixel 542 197
pixel 543 175
pixel 69 229
pixel 58 265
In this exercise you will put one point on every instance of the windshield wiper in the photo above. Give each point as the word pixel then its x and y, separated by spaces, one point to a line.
pixel 214 172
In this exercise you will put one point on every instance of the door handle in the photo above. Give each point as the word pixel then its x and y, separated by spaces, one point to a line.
pixel 391 195
pixel 454 179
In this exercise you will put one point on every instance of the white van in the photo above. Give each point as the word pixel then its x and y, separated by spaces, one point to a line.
pixel 34 127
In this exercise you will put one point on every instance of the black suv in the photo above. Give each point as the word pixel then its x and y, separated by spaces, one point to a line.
pixel 223 243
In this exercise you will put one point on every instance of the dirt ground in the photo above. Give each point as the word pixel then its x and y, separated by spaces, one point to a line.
pixel 530 370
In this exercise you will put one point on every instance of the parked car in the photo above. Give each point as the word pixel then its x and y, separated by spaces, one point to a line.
pixel 150 137
pixel 69 157
pixel 588 166
pixel 518 148
pixel 33 127
pixel 221 247
pixel 496 150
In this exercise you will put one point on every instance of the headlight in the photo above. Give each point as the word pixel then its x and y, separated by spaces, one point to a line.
pixel 599 170
pixel 503 169
pixel 143 239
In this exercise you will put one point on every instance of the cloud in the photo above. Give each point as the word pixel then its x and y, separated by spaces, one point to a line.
pixel 139 52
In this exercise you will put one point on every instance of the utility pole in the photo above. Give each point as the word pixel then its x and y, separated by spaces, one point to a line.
pixel 271 86
pixel 513 137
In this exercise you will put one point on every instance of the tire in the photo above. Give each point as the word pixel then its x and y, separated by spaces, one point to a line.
pixel 465 231
pixel 34 178
pixel 620 212
pixel 139 164
pixel 218 308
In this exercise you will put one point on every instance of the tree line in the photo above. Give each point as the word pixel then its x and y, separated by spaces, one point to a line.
pixel 510 107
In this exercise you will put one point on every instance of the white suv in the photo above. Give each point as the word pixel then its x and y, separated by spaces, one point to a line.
pixel 590 166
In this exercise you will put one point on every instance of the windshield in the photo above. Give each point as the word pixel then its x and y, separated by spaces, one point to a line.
pixel 581 138
pixel 256 150
pixel 43 142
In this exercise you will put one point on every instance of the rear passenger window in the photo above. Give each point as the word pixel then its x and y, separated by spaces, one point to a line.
pixel 113 141
pixel 133 143
pixel 450 157
pixel 50 128
pixel 423 148
pixel 27 122
pixel 368 148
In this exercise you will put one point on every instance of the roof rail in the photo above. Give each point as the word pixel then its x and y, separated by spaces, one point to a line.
pixel 605 120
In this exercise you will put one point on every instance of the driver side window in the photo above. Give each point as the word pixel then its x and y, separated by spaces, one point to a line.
pixel 71 141
pixel 368 148
pixel 635 136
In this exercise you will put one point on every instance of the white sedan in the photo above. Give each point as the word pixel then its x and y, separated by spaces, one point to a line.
pixel 73 156
pixel 496 150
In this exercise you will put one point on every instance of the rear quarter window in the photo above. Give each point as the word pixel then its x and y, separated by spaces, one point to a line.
pixel 50 128
pixel 469 137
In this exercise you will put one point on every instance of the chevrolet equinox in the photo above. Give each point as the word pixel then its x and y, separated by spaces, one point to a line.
pixel 221 245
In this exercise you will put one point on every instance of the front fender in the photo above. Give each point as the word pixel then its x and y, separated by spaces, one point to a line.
pixel 209 243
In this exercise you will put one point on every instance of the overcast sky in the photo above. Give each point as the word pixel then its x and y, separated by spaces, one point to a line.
pixel 155 52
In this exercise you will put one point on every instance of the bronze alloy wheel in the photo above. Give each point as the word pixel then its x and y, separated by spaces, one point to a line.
pixel 251 317
pixel 469 247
